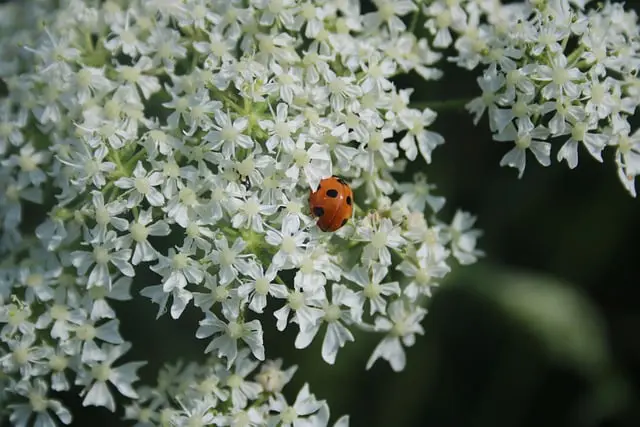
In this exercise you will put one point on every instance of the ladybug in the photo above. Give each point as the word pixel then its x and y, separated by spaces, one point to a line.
pixel 332 203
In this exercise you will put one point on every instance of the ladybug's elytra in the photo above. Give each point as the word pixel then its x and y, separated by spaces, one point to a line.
pixel 332 203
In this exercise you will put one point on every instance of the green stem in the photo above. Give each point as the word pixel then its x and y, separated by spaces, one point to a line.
pixel 134 159
pixel 441 106
pixel 414 21
pixel 573 57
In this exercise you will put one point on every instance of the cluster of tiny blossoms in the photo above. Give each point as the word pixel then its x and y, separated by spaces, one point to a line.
pixel 184 137
pixel 556 72
pixel 185 393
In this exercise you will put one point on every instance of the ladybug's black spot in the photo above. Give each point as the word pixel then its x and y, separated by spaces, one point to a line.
pixel 349 200
pixel 332 193
pixel 344 221
pixel 318 211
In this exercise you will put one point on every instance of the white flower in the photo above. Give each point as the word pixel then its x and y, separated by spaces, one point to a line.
pixel 336 314
pixel 416 123
pixel 271 376
pixel 38 405
pixel 139 231
pixel 142 186
pixel 16 318
pixel 303 304
pixel 104 253
pixel 29 163
pixel 261 285
pixel 561 77
pixel 250 213
pixel 304 405
pixel 280 129
pixel 380 236
pixel 290 242
pixel 242 390
pixel 417 195
pixel 87 332
pixel 389 12
pixel 373 290
pixel 428 266
pixel 225 295
pixel 60 316
pixel 375 148
pixel 314 162
pixel 225 342
pixel 96 379
pixel 464 238
pixel 592 141
pixel 401 326
pixel 23 356
pixel 227 258
pixel 526 138
pixel 133 77
pixel 490 83
pixel 376 73
pixel 286 82
pixel 177 269
pixel 198 412
pixel 227 134
pixel 95 301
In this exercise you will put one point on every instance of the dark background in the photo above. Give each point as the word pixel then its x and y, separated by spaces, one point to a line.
pixel 541 332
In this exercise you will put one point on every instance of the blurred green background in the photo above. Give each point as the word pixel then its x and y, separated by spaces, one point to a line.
pixel 541 332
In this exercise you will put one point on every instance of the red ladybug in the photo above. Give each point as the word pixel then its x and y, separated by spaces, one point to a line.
pixel 332 203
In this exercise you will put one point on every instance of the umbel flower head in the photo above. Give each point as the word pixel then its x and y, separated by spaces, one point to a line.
pixel 180 140
pixel 558 76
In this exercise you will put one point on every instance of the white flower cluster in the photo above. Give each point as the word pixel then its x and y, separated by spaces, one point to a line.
pixel 185 137
pixel 556 72
pixel 188 395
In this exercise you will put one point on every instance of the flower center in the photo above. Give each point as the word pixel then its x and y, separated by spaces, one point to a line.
pixel 188 197
pixel 38 402
pixel 262 286
pixel 282 130
pixel 86 332
pixel 101 372
pixel 35 280
pixel 58 363
pixel 141 184
pixel 332 313
pixel 376 141
pixel 578 132
pixel 372 290
pixel 246 167
pixel 179 261
pixel 523 142
pixel 296 300
pixel 234 330
pixel 288 244
pixel 379 240
pixel 221 293
pixel 102 216
pixel 229 133
pixel 139 232
pixel 288 416
pixel 234 381
pixel 252 207
pixel 21 355
pixel 59 312
pixel 301 157
pixel 101 255
pixel 27 164
pixel 227 256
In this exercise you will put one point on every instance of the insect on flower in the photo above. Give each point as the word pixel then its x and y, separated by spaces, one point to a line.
pixel 332 203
